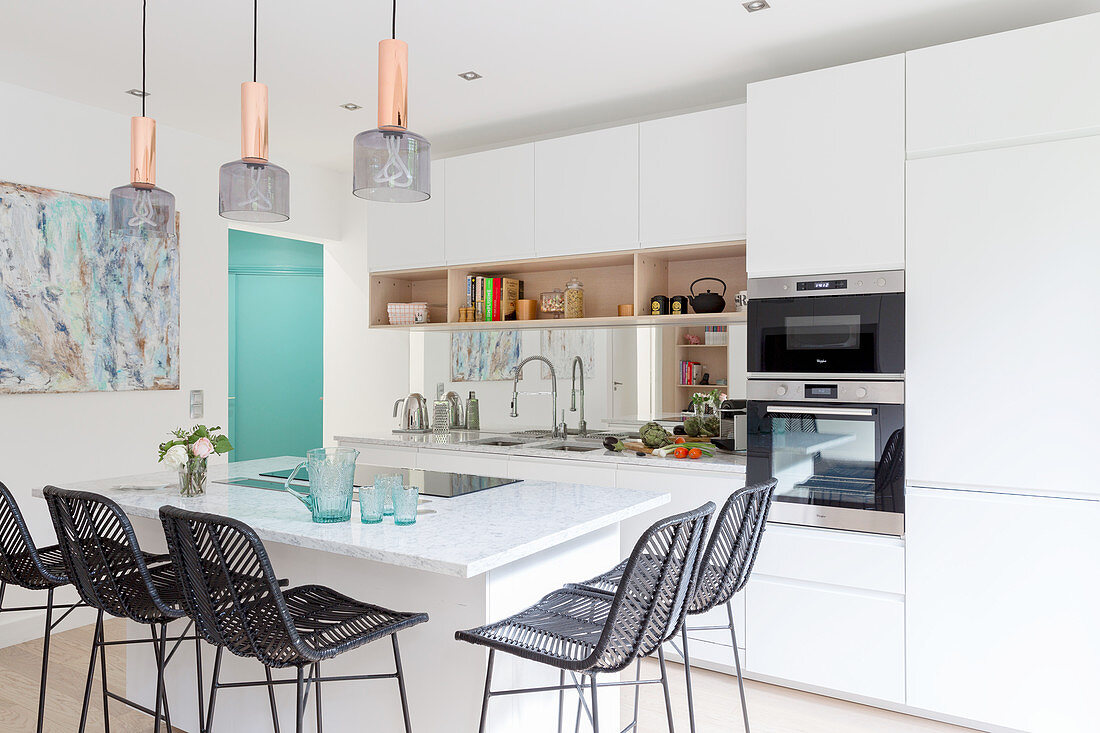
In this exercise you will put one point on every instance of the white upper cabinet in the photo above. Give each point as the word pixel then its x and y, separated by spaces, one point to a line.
pixel 692 178
pixel 586 192
pixel 1033 82
pixel 404 236
pixel 826 171
pixel 491 206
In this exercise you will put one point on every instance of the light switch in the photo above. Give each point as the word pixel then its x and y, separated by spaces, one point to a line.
pixel 196 404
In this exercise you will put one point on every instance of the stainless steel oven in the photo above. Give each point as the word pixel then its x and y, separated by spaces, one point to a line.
pixel 835 446
pixel 847 326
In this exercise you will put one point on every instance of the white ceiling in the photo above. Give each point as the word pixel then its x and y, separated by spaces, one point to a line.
pixel 548 68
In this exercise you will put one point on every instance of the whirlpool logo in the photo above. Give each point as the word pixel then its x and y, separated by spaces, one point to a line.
pixel 822 361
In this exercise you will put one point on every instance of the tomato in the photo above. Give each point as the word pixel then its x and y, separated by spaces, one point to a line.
pixel 680 439
pixel 695 453
pixel 680 452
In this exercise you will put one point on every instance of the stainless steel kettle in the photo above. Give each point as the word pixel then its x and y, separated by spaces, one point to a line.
pixel 413 414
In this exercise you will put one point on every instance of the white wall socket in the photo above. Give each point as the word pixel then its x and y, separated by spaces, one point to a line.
pixel 196 403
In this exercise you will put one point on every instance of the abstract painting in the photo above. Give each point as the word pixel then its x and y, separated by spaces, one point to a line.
pixel 482 356
pixel 560 346
pixel 79 310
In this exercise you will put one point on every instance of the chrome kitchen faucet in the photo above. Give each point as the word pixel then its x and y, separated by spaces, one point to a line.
pixel 582 426
pixel 556 430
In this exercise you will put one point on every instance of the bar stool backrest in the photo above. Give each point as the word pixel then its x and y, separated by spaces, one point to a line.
pixel 102 556
pixel 229 587
pixel 731 551
pixel 652 596
pixel 19 561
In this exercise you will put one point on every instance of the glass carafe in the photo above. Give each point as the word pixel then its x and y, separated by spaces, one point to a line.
pixel 331 477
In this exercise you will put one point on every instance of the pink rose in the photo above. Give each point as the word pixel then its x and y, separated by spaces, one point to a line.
pixel 202 447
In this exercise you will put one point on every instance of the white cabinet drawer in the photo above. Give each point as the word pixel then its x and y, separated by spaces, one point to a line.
pixel 384 455
pixel 830 637
pixel 555 469
pixel 846 559
pixel 451 461
pixel 719 617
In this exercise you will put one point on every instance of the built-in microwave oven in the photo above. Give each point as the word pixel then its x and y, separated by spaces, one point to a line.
pixel 849 326
pixel 836 448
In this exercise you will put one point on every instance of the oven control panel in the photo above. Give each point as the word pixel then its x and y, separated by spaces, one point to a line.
pixel 878 392
pixel 856 283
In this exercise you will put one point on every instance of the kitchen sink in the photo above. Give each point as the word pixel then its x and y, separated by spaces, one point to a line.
pixel 500 442
pixel 571 447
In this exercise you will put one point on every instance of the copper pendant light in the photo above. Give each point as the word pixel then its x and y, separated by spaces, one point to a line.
pixel 253 188
pixel 141 210
pixel 390 163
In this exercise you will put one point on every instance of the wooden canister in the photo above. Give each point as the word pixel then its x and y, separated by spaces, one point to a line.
pixel 526 310
pixel 626 309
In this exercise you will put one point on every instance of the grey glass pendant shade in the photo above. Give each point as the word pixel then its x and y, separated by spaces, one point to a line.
pixel 141 213
pixel 253 191
pixel 391 165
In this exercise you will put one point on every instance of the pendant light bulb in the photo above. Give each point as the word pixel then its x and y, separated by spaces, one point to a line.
pixel 140 210
pixel 253 188
pixel 391 163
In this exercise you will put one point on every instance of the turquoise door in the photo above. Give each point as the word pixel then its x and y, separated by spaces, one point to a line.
pixel 276 320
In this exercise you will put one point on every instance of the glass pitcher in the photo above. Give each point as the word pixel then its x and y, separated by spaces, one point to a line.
pixel 331 476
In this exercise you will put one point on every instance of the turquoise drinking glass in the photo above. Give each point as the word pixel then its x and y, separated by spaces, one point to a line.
pixel 371 504
pixel 405 499
pixel 331 478
pixel 386 483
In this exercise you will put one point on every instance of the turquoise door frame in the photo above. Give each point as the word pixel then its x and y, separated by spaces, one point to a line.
pixel 276 323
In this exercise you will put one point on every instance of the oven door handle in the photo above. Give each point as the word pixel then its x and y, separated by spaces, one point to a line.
pixel 839 411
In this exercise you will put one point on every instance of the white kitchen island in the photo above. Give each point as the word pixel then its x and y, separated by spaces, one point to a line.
pixel 467 561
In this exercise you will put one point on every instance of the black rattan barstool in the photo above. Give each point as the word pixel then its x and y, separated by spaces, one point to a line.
pixel 33 568
pixel 112 574
pixel 723 571
pixel 589 632
pixel 231 592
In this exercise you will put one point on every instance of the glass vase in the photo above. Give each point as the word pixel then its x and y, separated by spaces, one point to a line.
pixel 193 477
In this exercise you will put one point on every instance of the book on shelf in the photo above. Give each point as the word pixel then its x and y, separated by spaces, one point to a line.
pixel 493 298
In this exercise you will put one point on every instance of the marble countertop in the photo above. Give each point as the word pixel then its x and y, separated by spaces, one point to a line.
pixel 463 536
pixel 461 440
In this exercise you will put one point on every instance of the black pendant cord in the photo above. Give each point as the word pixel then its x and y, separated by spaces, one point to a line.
pixel 255 34
pixel 144 3
pixel 393 22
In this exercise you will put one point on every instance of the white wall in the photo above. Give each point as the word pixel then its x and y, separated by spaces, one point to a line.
pixel 51 438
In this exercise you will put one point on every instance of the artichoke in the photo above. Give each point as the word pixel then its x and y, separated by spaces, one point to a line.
pixel 654 436
pixel 692 426
pixel 710 425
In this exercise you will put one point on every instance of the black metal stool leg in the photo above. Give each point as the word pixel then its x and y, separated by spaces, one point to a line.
pixel 198 680
pixel 401 684
pixel 270 697
pixel 91 672
pixel 561 698
pixel 317 692
pixel 637 693
pixel 485 698
pixel 737 663
pixel 595 707
pixel 214 676
pixel 300 702
pixel 687 679
pixel 103 679
pixel 664 684
pixel 45 658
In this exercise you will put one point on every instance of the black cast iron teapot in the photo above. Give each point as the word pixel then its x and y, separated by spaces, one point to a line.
pixel 707 302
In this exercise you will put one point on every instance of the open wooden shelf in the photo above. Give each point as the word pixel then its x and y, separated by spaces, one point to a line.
pixel 610 279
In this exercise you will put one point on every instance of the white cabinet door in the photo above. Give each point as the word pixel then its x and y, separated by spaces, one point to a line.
pixel 404 236
pixel 1038 81
pixel 384 455
pixel 826 170
pixel 828 636
pixel 1001 306
pixel 586 192
pixel 1001 618
pixel 453 461
pixel 692 178
pixel 556 469
pixel 491 206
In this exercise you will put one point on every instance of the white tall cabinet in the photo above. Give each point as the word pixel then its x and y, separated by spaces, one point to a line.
pixel 826 171
pixel 586 192
pixel 491 205
pixel 692 178
pixel 401 236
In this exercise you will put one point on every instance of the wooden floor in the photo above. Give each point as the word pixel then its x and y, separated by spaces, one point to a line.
pixel 773 709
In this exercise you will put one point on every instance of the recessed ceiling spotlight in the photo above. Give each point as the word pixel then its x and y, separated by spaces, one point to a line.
pixel 755 5
pixel 470 75
pixel 137 93
pixel 351 106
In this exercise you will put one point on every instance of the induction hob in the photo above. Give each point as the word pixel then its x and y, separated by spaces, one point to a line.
pixel 430 483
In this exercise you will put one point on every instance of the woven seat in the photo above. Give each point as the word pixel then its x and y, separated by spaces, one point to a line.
pixel 231 592
pixel 587 631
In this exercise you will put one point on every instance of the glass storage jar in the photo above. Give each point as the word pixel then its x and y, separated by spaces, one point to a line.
pixel 552 303
pixel 574 299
